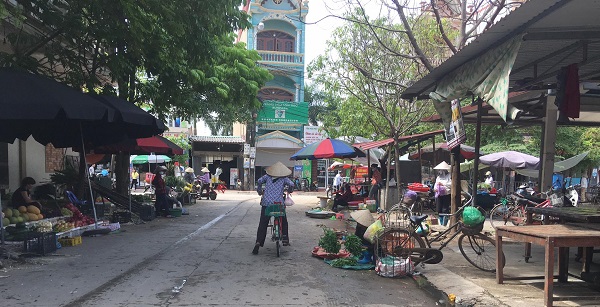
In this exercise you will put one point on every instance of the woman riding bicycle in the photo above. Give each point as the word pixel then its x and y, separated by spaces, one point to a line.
pixel 276 183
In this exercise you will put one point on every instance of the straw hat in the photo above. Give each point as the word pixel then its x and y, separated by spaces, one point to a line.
pixel 443 165
pixel 488 173
pixel 278 170
pixel 363 217
pixel 205 170
pixel 189 170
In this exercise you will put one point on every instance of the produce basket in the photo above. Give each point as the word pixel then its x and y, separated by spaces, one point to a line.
pixel 74 241
pixel 41 244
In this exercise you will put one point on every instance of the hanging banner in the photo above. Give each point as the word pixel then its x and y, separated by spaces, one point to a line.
pixel 455 134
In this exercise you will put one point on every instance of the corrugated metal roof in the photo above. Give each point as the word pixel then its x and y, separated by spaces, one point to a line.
pixel 375 144
pixel 217 139
pixel 557 33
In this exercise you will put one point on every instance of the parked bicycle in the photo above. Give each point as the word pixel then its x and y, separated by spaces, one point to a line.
pixel 511 210
pixel 414 242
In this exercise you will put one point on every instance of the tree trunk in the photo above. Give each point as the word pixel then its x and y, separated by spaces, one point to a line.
pixel 122 172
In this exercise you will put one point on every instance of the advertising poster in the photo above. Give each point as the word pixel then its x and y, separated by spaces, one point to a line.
pixel 234 174
pixel 283 112
pixel 455 135
pixel 312 134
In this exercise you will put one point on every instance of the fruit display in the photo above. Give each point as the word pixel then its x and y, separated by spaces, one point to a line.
pixel 63 226
pixel 77 218
pixel 44 226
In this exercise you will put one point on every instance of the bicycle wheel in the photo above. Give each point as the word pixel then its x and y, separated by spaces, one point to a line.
pixel 398 217
pixel 277 235
pixel 480 251
pixel 397 242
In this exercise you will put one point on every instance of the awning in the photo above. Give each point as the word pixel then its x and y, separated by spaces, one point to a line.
pixel 560 166
pixel 376 144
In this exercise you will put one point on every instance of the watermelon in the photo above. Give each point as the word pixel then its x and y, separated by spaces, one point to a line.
pixel 14 220
pixel 8 212
pixel 16 212
pixel 25 217
pixel 5 221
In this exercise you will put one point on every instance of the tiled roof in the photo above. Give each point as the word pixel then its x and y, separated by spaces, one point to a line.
pixel 217 139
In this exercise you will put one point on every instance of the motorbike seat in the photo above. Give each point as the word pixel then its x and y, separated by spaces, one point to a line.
pixel 418 219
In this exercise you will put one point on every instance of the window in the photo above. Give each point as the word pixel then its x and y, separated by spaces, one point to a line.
pixel 275 41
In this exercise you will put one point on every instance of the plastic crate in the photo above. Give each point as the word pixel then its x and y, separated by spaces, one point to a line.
pixel 41 244
pixel 74 241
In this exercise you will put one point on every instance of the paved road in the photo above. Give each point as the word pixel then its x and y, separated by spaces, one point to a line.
pixel 203 259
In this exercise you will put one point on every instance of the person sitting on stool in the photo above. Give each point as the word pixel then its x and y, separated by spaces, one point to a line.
pixel 342 199
pixel 22 196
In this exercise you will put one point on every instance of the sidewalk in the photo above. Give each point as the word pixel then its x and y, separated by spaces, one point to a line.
pixel 473 287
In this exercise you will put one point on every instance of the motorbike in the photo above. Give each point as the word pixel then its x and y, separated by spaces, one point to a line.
pixel 204 190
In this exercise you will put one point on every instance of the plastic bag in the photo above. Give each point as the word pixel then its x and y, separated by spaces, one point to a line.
pixel 472 216
pixel 394 266
pixel 441 191
pixel 372 231
pixel 289 201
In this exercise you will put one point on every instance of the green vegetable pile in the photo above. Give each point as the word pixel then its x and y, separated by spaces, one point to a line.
pixel 353 245
pixel 329 241
pixel 341 262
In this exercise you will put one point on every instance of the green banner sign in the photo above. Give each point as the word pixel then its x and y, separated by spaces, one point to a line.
pixel 283 112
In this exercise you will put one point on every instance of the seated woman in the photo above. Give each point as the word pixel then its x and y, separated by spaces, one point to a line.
pixel 22 196
pixel 343 198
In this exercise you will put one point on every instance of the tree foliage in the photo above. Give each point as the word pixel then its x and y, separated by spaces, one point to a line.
pixel 176 56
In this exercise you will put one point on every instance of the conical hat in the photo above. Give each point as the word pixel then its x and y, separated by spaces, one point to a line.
pixel 205 170
pixel 278 170
pixel 443 165
pixel 189 170
pixel 363 217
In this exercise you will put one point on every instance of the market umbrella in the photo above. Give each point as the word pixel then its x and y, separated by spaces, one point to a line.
pixel 511 159
pixel 51 112
pixel 154 144
pixel 326 149
pixel 441 150
pixel 340 165
pixel 141 159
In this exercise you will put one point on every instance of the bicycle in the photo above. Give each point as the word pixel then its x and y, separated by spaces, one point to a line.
pixel 277 212
pixel 511 211
pixel 478 249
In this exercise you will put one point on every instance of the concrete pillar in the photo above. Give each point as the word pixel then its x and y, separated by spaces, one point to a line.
pixel 297 98
pixel 298 39
pixel 549 143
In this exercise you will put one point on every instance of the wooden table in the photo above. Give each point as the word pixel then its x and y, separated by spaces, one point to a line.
pixel 566 214
pixel 549 236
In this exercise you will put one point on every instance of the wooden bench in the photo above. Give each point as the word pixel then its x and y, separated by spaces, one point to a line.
pixel 549 236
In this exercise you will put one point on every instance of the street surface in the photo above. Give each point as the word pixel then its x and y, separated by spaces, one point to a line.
pixel 203 259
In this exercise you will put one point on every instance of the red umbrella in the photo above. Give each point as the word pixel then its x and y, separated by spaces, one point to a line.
pixel 156 144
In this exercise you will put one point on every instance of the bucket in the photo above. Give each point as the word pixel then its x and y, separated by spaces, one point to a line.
pixel 175 212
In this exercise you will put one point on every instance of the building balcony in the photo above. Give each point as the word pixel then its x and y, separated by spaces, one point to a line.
pixel 278 57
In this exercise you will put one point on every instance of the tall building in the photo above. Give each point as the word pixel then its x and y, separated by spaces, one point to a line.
pixel 277 34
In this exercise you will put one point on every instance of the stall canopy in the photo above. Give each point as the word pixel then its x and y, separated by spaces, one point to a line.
pixel 377 144
pixel 560 166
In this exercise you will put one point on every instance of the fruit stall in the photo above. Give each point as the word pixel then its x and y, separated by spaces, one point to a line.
pixel 41 235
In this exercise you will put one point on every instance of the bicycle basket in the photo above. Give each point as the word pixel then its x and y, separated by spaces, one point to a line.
pixel 277 209
pixel 472 230
pixel 556 199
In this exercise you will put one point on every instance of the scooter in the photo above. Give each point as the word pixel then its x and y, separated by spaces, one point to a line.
pixel 204 190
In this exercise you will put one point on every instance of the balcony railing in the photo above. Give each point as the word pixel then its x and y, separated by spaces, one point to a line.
pixel 281 57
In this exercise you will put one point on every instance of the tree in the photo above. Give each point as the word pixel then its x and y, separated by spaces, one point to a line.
pixel 367 79
pixel 177 56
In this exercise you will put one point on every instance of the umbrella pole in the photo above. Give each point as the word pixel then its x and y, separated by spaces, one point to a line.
pixel 1 226
pixel 129 186
pixel 477 146
pixel 88 180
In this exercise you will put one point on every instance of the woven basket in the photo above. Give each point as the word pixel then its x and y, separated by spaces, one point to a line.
pixel 472 230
